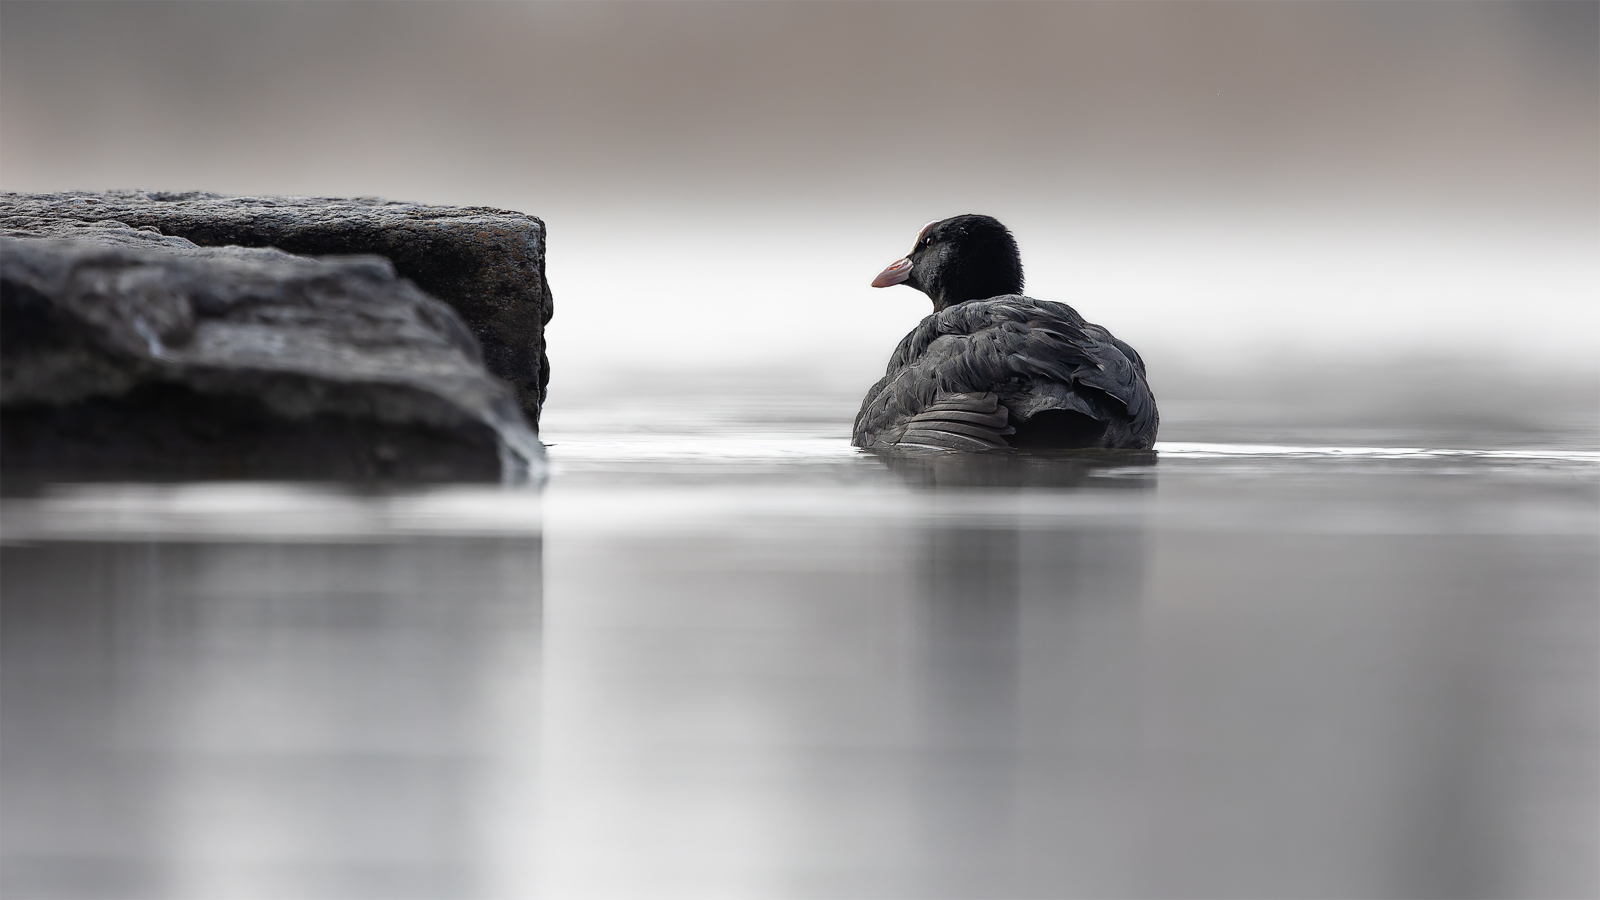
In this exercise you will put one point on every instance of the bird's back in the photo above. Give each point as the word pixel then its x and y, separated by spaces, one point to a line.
pixel 1009 371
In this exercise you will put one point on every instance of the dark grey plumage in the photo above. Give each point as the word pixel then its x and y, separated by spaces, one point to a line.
pixel 1003 371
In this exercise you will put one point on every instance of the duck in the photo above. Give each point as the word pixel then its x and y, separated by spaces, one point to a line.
pixel 994 369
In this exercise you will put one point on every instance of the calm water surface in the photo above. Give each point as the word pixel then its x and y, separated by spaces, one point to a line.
pixel 734 657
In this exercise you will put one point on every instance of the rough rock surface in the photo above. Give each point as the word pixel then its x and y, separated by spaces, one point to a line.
pixel 488 264
pixel 131 353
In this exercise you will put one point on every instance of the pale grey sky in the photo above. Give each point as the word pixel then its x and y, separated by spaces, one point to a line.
pixel 1213 180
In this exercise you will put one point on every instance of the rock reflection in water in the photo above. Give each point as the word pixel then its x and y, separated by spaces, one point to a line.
pixel 280 719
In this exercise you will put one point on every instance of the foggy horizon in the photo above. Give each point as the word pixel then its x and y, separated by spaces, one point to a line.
pixel 1472 106
pixel 1224 184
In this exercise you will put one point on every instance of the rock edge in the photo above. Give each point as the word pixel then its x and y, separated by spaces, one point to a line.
pixel 488 264
pixel 130 352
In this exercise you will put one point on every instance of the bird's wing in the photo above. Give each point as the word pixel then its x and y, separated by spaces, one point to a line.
pixel 941 377
pixel 958 422
pixel 1119 374
pixel 984 347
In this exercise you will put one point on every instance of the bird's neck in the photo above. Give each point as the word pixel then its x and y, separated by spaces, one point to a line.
pixel 944 299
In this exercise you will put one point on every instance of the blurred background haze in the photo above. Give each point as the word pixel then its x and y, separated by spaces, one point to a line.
pixel 1365 198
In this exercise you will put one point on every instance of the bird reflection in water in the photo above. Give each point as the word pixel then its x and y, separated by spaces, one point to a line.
pixel 1028 658
pixel 1128 469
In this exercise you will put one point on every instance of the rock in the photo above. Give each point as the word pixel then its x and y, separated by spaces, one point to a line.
pixel 488 264
pixel 129 353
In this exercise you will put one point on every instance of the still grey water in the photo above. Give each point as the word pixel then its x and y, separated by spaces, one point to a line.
pixel 734 657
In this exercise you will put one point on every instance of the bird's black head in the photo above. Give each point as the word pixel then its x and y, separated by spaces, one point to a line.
pixel 959 259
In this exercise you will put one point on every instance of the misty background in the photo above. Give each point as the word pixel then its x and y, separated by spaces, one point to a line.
pixel 1362 200
pixel 722 653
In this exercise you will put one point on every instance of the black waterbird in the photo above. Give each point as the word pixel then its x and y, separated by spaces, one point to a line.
pixel 991 368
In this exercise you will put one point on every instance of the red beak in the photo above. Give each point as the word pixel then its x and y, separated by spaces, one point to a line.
pixel 898 271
